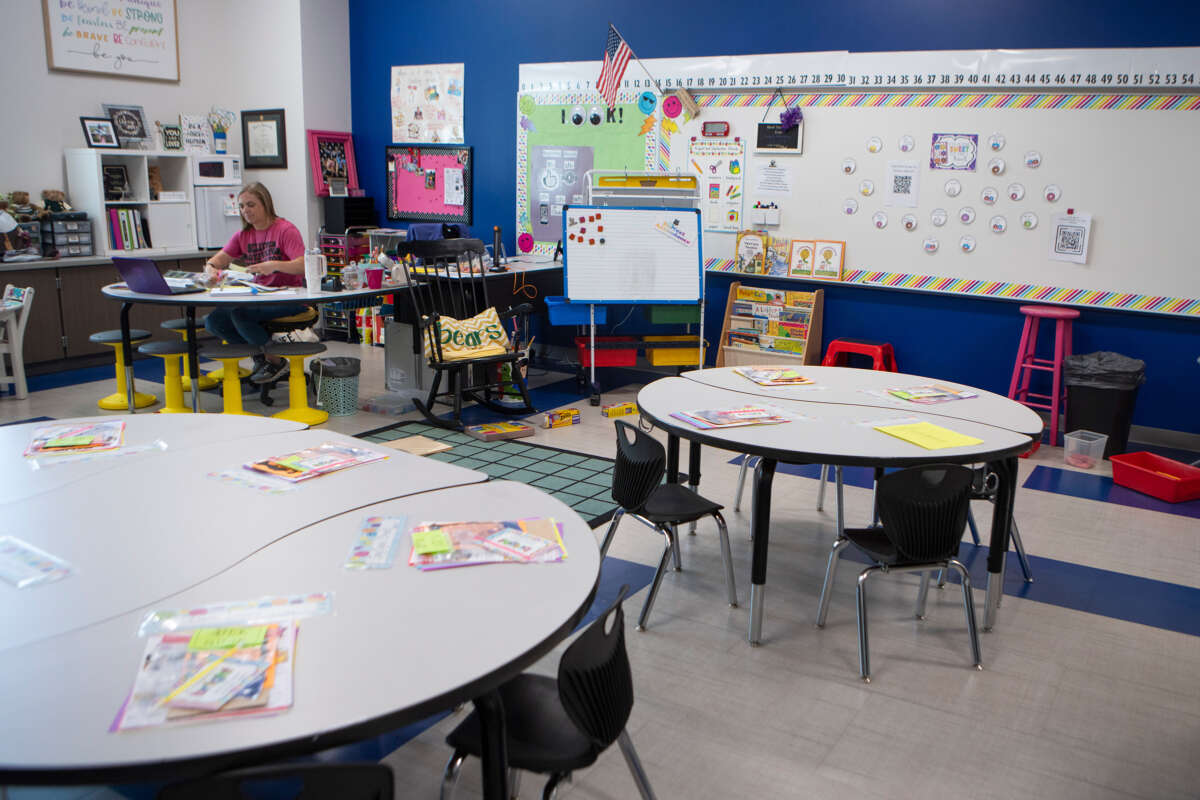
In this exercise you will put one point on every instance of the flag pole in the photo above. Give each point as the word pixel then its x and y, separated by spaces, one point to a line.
pixel 684 96
pixel 638 60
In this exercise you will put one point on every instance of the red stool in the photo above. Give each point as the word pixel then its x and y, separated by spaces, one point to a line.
pixel 1027 361
pixel 883 358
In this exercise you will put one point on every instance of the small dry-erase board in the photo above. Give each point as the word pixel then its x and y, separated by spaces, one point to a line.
pixel 632 255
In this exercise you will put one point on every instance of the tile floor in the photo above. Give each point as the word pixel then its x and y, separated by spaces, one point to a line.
pixel 1069 705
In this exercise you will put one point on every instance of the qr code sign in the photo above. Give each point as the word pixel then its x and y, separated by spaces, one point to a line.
pixel 902 184
pixel 1069 240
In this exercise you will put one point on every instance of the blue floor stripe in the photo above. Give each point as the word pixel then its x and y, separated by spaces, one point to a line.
pixel 23 421
pixel 1098 487
pixel 146 369
pixel 862 477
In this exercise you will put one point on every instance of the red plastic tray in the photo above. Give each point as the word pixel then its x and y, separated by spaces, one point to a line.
pixel 605 357
pixel 1157 476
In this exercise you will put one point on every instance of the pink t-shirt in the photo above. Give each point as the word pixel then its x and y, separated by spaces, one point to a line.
pixel 279 242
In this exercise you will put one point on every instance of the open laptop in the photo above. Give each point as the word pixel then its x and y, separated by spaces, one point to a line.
pixel 141 275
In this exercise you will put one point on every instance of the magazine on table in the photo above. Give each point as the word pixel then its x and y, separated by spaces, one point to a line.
pixel 439 545
pixel 313 461
pixel 76 437
pixel 934 393
pixel 773 376
pixel 733 417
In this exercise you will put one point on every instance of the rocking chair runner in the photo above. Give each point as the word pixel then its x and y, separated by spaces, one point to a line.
pixel 447 280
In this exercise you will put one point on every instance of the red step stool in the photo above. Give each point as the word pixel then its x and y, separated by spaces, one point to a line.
pixel 1027 361
pixel 883 358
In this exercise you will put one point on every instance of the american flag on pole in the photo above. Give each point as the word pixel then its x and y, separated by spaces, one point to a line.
pixel 616 58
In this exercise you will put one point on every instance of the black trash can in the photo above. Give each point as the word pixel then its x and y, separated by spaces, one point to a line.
pixel 1101 392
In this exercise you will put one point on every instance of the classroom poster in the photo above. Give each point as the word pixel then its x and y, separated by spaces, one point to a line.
pixel 957 151
pixel 118 38
pixel 427 103
pixel 719 164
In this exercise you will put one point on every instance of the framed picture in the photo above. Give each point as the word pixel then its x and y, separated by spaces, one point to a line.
pixel 116 181
pixel 264 139
pixel 331 155
pixel 99 132
pixel 118 40
pixel 131 125
pixel 338 187
pixel 172 136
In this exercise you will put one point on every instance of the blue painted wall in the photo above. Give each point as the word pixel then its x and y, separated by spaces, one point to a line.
pixel 973 341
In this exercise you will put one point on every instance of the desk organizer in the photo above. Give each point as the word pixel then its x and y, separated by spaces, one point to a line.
pixel 1157 476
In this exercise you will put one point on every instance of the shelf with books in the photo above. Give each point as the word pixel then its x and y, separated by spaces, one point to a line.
pixel 771 327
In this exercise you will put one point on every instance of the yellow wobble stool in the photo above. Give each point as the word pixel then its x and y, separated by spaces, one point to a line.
pixel 119 400
pixel 208 381
pixel 170 353
pixel 298 409
pixel 231 384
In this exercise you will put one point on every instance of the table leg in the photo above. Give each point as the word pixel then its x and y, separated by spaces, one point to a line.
pixel 693 475
pixel 672 458
pixel 1002 511
pixel 494 755
pixel 193 358
pixel 760 523
pixel 127 351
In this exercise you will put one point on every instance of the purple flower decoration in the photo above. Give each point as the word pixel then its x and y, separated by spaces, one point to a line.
pixel 790 117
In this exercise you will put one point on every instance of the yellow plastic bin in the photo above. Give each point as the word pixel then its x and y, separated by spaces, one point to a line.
pixel 672 356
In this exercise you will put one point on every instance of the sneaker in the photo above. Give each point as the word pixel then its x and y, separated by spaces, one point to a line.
pixel 270 372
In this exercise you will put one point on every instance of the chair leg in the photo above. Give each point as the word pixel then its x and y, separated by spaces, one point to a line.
pixel 969 610
pixel 875 497
pixel 450 774
pixel 727 557
pixel 1020 548
pixel 514 783
pixel 741 484
pixel 972 526
pixel 676 554
pixel 669 535
pixel 864 654
pixel 821 487
pixel 922 594
pixel 635 766
pixel 551 790
pixel 840 518
pixel 612 531
pixel 830 571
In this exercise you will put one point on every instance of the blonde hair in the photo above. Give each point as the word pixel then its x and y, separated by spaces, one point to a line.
pixel 264 197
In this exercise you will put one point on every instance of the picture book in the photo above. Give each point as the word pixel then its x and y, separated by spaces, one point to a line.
pixel 935 393
pixel 313 461
pixel 491 431
pixel 732 417
pixel 440 545
pixel 76 437
pixel 773 376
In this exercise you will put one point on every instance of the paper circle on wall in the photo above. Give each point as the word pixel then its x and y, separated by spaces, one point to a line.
pixel 966 215
pixel 909 221
pixel 672 106
pixel 849 206
pixel 866 188
pixel 647 102
pixel 1052 193
pixel 874 144
pixel 996 142
pixel 996 166
pixel 967 244
pixel 938 217
pixel 1029 220
pixel 526 104
pixel 525 242
pixel 906 143
pixel 1015 191
pixel 879 220
pixel 930 245
pixel 989 195
pixel 1033 159
pixel 848 166
pixel 953 187
pixel 999 224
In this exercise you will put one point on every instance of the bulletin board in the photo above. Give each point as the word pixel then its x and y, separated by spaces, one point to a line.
pixel 1109 135
pixel 429 183
pixel 632 255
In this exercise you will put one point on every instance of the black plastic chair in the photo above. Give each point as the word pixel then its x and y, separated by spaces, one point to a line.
pixel 639 491
pixel 924 512
pixel 297 781
pixel 556 726
pixel 448 279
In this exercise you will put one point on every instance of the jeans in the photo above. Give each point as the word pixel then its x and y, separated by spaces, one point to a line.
pixel 242 324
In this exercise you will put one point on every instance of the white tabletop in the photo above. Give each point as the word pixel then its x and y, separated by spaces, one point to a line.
pixel 399 645
pixel 294 294
pixel 850 386
pixel 23 477
pixel 828 433
pixel 156 525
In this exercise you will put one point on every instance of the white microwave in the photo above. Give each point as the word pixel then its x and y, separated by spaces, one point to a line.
pixel 213 170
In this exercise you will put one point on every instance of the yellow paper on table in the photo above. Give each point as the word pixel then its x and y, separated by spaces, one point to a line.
pixel 928 435
pixel 433 541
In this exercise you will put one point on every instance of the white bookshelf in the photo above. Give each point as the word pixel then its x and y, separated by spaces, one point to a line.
pixel 172 223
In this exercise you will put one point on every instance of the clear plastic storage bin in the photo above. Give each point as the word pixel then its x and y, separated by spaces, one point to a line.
pixel 1084 449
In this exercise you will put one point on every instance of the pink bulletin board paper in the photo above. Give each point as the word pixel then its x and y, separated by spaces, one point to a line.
pixel 409 196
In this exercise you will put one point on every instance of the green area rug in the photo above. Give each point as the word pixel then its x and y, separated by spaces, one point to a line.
pixel 582 481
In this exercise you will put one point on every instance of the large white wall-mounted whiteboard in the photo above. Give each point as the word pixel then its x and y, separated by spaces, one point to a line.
pixel 118 38
pixel 632 255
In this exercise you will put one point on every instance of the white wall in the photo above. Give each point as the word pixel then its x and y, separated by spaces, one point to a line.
pixel 233 54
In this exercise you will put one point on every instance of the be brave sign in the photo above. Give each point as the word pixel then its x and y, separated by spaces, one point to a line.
pixel 120 38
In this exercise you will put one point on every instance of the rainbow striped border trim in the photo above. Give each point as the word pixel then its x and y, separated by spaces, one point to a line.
pixel 1090 298
pixel 1046 100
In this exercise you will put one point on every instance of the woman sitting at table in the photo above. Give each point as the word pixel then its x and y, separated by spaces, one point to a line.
pixel 272 249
